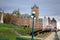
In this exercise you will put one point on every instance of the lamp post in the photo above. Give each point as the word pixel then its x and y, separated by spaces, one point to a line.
pixel 33 15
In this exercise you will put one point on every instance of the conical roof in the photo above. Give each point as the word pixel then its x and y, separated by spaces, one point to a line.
pixel 34 6
pixel 53 20
pixel 49 19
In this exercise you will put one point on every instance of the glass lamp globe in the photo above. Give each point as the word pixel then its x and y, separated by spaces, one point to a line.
pixel 35 18
pixel 33 12
pixel 32 16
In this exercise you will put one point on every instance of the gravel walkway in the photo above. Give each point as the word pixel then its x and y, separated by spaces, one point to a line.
pixel 51 37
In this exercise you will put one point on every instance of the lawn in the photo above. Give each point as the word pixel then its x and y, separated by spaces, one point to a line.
pixel 23 31
pixel 7 26
pixel 6 32
pixel 11 35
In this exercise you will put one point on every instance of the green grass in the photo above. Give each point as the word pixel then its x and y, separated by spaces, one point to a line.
pixel 7 26
pixel 23 31
pixel 6 31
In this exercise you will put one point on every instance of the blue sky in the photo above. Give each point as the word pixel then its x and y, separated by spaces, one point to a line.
pixel 46 7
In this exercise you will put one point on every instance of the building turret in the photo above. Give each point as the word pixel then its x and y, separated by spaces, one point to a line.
pixel 54 23
pixel 36 10
pixel 53 20
pixel 16 13
pixel 49 21
pixel 45 22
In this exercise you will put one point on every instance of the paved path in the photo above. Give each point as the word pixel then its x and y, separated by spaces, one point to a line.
pixel 51 37
pixel 57 36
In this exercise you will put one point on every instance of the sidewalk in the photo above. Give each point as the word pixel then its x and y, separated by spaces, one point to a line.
pixel 51 37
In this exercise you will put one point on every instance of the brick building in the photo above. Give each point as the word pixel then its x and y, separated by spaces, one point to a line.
pixel 26 19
